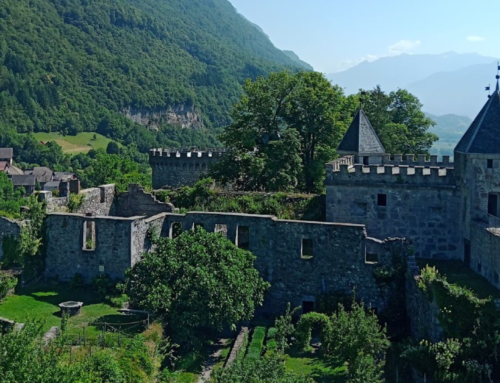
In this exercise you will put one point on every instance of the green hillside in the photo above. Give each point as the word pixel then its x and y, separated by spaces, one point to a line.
pixel 449 128
pixel 78 65
pixel 81 143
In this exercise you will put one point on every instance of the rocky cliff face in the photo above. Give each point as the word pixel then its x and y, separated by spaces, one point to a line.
pixel 177 115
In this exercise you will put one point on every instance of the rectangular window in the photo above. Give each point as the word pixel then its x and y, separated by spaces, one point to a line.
pixel 103 195
pixel 496 278
pixel 371 258
pixel 175 230
pixel 89 236
pixel 243 237
pixel 490 164
pixel 307 248
pixel 493 204
pixel 221 229
pixel 382 199
pixel 479 267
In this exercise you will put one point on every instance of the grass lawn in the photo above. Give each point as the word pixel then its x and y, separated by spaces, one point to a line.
pixel 456 272
pixel 310 364
pixel 81 143
pixel 42 302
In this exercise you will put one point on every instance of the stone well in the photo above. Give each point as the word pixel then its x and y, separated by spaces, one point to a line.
pixel 71 308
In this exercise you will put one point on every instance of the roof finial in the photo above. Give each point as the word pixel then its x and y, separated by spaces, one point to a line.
pixel 498 76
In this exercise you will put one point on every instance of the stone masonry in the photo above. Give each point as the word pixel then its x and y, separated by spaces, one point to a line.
pixel 174 168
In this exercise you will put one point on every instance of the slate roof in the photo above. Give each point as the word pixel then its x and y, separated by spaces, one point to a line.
pixel 23 180
pixel 361 137
pixel 6 153
pixel 14 170
pixel 52 185
pixel 42 174
pixel 483 136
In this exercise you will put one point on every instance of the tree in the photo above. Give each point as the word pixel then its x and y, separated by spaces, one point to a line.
pixel 398 119
pixel 112 148
pixel 352 337
pixel 284 129
pixel 200 282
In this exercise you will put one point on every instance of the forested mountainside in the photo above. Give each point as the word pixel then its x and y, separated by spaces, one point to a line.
pixel 109 65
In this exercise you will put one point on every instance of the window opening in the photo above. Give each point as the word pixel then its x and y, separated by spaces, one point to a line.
pixel 103 195
pixel 493 204
pixel 221 229
pixel 467 253
pixel 496 278
pixel 371 258
pixel 243 237
pixel 479 267
pixel 366 160
pixel 382 199
pixel 307 307
pixel 307 248
pixel 89 236
pixel 175 230
pixel 490 164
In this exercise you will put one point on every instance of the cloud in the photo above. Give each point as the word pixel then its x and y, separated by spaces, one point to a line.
pixel 403 46
pixel 475 39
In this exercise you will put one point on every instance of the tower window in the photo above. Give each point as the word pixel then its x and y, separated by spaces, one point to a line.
pixel 307 248
pixel 490 164
pixel 243 237
pixel 493 204
pixel 382 199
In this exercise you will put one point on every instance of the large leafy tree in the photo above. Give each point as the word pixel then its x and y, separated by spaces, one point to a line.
pixel 201 282
pixel 399 121
pixel 283 130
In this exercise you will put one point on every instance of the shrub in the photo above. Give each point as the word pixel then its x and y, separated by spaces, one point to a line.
pixel 75 202
pixel 7 282
pixel 271 333
pixel 104 286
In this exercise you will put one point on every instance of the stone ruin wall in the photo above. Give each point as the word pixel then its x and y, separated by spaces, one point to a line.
pixel 337 264
pixel 421 203
pixel 8 229
pixel 136 202
pixel 180 168
pixel 485 251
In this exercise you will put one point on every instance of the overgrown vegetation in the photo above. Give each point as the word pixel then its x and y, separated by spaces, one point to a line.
pixel 202 197
pixel 7 283
pixel 469 352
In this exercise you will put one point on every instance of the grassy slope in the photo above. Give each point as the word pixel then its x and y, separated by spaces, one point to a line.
pixel 81 143
pixel 456 272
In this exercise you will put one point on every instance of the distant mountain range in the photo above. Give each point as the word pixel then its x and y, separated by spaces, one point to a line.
pixel 449 83
pixel 449 128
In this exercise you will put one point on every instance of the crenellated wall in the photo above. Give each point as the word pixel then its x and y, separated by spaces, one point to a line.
pixel 175 168
pixel 403 201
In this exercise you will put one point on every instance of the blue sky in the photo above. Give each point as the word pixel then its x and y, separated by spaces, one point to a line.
pixel 334 34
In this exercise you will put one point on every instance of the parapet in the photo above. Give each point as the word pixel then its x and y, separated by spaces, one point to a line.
pixel 420 160
pixel 390 174
pixel 184 153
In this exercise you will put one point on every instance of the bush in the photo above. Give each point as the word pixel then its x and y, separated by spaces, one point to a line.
pixel 271 333
pixel 7 282
pixel 77 282
pixel 104 286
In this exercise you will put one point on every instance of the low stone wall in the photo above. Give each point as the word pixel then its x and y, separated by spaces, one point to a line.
pixel 422 313
pixel 136 202
pixel 8 229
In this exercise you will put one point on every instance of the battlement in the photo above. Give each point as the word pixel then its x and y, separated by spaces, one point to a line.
pixel 389 174
pixel 186 154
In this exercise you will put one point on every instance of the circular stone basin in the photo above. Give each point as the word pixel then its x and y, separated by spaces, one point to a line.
pixel 72 308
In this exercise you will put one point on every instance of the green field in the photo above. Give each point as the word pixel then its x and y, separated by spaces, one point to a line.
pixel 41 302
pixel 81 143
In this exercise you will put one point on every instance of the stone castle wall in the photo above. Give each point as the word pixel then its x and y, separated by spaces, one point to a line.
pixel 485 251
pixel 175 169
pixel 398 201
pixel 336 264
pixel 136 202
pixel 8 229
pixel 66 253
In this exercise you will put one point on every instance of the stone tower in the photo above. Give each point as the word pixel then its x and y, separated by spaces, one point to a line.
pixel 477 164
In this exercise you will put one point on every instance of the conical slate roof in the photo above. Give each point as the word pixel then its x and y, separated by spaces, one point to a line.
pixel 483 136
pixel 361 137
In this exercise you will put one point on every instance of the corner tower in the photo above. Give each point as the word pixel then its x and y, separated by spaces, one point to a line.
pixel 361 141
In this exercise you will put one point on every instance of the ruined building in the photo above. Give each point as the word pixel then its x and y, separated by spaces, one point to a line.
pixel 450 209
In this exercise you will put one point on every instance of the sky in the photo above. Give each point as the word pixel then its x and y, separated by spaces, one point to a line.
pixel 333 35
